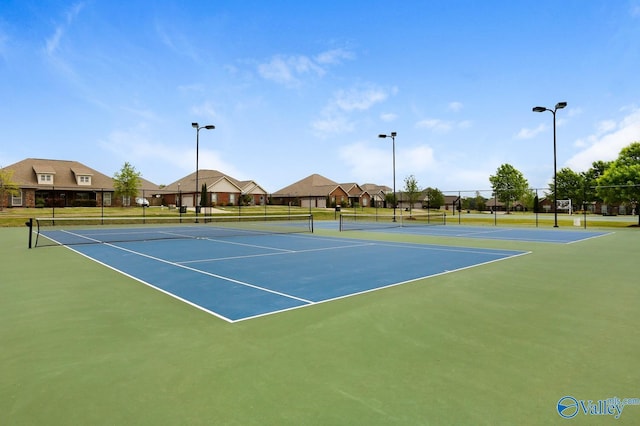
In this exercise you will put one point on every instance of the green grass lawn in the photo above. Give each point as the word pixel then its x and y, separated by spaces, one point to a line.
pixel 496 344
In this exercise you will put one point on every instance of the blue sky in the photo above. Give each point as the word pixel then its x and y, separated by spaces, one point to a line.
pixel 302 87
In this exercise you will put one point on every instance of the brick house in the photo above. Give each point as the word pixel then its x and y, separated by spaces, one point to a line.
pixel 377 193
pixel 63 183
pixel 222 190
pixel 313 191
pixel 357 195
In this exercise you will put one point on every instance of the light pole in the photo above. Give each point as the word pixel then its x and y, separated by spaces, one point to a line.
pixel 393 139
pixel 559 105
pixel 197 127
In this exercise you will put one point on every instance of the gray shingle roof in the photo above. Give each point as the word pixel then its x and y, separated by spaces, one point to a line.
pixel 65 172
pixel 25 174
pixel 314 185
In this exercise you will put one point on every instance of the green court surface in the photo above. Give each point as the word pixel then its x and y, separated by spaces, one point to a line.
pixel 500 343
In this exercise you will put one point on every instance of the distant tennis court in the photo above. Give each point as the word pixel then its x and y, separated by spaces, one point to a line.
pixel 427 224
pixel 237 277
pixel 503 233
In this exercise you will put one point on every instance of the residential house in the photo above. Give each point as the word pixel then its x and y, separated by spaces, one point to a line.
pixel 357 195
pixel 377 193
pixel 222 190
pixel 61 183
pixel 313 191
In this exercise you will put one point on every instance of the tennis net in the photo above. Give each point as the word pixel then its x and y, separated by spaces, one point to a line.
pixel 92 230
pixel 360 222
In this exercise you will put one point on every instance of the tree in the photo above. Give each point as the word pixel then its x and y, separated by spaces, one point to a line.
pixel 390 199
pixel 591 177
pixel 434 198
pixel 620 182
pixel 7 186
pixel 508 184
pixel 204 196
pixel 126 183
pixel 246 199
pixel 529 200
pixel 570 186
pixel 474 203
pixel 412 191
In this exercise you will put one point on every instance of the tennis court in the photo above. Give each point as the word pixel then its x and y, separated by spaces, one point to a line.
pixel 501 343
pixel 430 224
pixel 246 276
pixel 501 233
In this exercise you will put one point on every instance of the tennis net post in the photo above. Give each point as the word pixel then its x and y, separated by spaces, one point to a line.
pixel 29 225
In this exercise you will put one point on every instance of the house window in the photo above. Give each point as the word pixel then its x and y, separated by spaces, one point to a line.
pixel 16 200
pixel 84 180
pixel 232 198
pixel 214 197
pixel 107 199
pixel 46 179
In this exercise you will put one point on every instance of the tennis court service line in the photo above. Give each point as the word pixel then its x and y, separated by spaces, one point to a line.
pixel 281 252
pixel 235 243
pixel 446 248
pixel 76 235
pixel 221 277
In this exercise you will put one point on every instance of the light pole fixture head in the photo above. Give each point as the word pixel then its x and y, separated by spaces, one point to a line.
pixel 561 105
pixel 209 126
pixel 539 109
pixel 194 125
pixel 392 135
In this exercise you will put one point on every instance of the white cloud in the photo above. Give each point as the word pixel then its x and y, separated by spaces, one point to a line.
pixel 205 110
pixel 369 163
pixel 365 162
pixel 436 124
pixel 606 126
pixel 289 70
pixel 416 159
pixel 336 115
pixel 137 146
pixel 574 112
pixel 142 113
pixel 333 56
pixel 52 43
pixel 388 117
pixel 443 126
pixel 455 106
pixel 531 133
pixel 332 124
pixel 357 99
pixel 606 143
pixel 53 48
pixel 176 42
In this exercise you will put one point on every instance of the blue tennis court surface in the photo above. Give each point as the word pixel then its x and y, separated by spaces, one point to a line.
pixel 542 235
pixel 246 277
